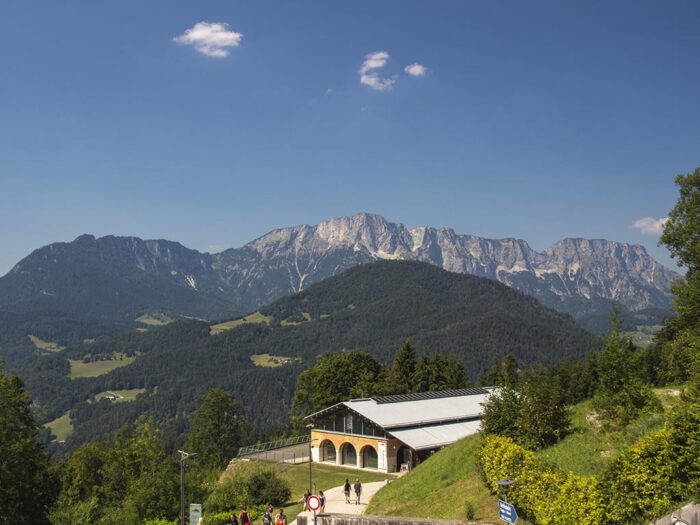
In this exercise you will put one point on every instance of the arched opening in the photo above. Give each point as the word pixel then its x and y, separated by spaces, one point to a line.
pixel 328 454
pixel 369 457
pixel 348 455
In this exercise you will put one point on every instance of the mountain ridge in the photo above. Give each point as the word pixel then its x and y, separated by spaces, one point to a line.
pixel 574 275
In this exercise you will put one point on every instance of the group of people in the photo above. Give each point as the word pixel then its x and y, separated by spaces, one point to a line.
pixel 244 519
pixel 356 487
pixel 348 489
pixel 281 518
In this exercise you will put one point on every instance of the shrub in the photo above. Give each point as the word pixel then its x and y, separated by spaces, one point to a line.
pixel 546 497
pixel 266 487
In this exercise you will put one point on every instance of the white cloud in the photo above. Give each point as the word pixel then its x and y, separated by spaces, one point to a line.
pixel 650 225
pixel 416 69
pixel 211 39
pixel 370 77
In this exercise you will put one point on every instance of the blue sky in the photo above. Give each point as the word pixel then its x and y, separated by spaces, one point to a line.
pixel 537 120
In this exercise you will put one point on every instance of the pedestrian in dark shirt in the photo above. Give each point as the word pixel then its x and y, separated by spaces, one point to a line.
pixel 358 491
pixel 347 489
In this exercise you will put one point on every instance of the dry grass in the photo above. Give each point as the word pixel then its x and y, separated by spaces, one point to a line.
pixel 254 318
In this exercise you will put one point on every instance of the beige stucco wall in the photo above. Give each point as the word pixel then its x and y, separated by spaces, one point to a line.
pixel 318 437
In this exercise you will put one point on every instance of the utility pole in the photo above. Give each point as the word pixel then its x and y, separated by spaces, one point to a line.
pixel 310 426
pixel 183 457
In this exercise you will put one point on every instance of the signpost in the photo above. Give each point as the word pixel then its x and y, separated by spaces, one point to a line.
pixel 506 512
pixel 195 513
pixel 314 503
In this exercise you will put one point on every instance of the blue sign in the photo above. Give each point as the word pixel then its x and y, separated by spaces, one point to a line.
pixel 506 512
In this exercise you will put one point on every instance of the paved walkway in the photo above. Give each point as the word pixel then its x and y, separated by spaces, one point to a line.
pixel 335 500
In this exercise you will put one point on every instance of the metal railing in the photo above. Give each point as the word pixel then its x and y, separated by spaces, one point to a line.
pixel 272 445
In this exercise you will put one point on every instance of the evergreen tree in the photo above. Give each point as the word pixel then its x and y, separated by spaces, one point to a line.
pixel 218 428
pixel 437 372
pixel 621 394
pixel 401 376
pixel 26 487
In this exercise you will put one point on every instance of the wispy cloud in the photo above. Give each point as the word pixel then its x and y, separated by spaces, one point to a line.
pixel 416 69
pixel 650 225
pixel 368 72
pixel 211 39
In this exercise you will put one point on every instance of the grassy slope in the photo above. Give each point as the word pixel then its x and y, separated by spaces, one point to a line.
pixel 254 318
pixel 97 368
pixel 48 346
pixel 61 427
pixel 123 396
pixel 587 449
pixel 439 487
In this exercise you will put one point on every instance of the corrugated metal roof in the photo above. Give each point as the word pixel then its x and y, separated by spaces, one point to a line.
pixel 421 438
pixel 399 398
pixel 421 411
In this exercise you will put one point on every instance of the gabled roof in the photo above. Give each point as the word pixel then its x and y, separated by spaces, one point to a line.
pixel 415 410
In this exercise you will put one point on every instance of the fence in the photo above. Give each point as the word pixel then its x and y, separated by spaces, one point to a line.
pixel 272 445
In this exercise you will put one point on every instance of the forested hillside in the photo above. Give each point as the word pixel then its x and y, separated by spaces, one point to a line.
pixel 373 307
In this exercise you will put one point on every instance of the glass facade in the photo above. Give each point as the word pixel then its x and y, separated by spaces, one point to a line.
pixel 347 422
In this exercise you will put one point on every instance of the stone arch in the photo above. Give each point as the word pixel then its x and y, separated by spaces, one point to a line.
pixel 369 457
pixel 327 451
pixel 348 454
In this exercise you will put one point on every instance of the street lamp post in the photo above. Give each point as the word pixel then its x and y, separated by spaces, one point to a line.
pixel 504 484
pixel 183 457
pixel 310 426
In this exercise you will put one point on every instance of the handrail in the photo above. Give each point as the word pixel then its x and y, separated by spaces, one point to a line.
pixel 272 445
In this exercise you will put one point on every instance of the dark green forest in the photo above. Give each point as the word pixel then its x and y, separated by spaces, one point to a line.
pixel 372 308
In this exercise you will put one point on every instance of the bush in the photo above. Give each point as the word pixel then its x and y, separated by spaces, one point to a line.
pixel 546 497
pixel 160 521
pixel 661 469
pixel 248 488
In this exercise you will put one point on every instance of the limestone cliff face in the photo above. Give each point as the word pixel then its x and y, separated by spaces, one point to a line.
pixel 581 268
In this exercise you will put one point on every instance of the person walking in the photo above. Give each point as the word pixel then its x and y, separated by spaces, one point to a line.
pixel 358 491
pixel 306 500
pixel 347 489
pixel 322 500
pixel 233 520
pixel 281 518
pixel 244 518
pixel 267 517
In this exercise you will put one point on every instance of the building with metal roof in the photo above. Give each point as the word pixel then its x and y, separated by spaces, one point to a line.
pixel 393 433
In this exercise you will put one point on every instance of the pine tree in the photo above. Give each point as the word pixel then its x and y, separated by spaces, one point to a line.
pixel 26 487
pixel 621 394
pixel 401 378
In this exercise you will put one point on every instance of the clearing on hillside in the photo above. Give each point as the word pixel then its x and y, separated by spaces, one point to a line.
pixel 155 319
pixel 254 318
pixel 120 396
pixel 79 368
pixel 46 346
pixel 61 427
pixel 305 317
pixel 272 361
